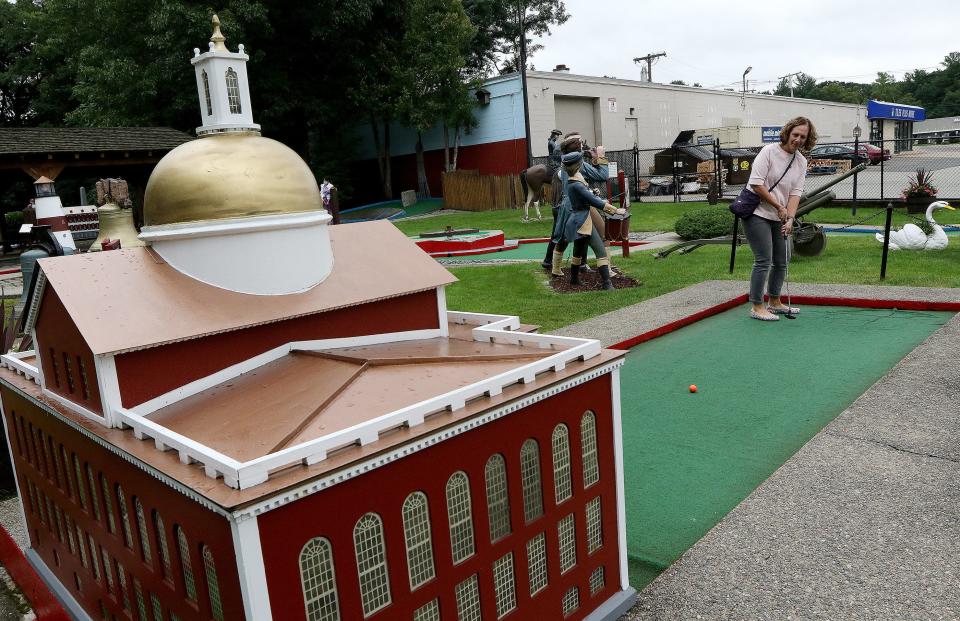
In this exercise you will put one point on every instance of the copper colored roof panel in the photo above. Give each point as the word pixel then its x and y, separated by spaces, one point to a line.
pixel 312 394
pixel 140 301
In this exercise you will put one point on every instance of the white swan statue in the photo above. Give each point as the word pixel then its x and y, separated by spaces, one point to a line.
pixel 912 237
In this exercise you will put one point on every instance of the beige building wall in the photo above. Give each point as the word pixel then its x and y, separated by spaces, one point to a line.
pixel 650 114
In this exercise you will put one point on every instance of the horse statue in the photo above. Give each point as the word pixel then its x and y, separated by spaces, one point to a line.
pixel 532 180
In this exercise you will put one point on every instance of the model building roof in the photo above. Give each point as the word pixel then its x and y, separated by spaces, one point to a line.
pixel 412 371
pixel 316 393
pixel 144 302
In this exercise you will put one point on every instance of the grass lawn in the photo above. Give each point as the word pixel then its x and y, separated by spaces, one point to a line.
pixel 644 217
pixel 522 289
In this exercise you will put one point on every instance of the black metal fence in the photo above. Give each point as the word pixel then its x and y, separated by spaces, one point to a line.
pixel 688 172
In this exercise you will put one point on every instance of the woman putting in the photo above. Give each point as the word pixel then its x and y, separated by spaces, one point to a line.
pixel 777 178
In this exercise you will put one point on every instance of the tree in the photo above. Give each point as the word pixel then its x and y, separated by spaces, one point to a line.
pixel 436 39
pixel 516 21
pixel 19 71
pixel 679 82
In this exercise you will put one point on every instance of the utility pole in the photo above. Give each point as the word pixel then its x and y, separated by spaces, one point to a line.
pixel 522 21
pixel 649 58
pixel 790 77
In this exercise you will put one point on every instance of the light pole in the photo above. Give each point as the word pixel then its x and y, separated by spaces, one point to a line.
pixel 743 96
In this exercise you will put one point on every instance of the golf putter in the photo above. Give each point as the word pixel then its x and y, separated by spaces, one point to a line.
pixel 786 279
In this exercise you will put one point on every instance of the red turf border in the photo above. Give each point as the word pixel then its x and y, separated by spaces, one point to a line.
pixel 810 300
pixel 45 606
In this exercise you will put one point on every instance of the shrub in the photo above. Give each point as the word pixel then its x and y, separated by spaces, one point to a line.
pixel 13 220
pixel 705 223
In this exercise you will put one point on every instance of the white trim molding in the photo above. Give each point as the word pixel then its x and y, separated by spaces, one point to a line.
pixel 442 311
pixel 109 385
pixel 621 488
pixel 251 569
pixel 14 362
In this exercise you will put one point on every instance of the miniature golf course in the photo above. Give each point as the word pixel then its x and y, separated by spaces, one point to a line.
pixel 764 390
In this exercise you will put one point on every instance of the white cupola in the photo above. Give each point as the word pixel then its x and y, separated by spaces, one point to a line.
pixel 222 87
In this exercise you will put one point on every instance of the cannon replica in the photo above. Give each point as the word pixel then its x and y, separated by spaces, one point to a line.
pixel 809 240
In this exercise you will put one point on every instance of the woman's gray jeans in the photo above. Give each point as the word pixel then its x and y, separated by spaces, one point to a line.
pixel 769 256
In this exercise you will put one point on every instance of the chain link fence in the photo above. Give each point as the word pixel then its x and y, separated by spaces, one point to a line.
pixel 679 173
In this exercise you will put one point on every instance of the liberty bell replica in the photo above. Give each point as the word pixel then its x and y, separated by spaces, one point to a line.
pixel 116 229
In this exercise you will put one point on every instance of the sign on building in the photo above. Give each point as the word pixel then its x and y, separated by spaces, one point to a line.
pixel 770 133
pixel 611 104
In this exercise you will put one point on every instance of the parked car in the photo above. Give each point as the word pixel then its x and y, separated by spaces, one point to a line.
pixel 838 152
pixel 876 154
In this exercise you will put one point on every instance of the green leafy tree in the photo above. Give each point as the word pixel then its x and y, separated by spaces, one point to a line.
pixel 436 39
pixel 19 70
pixel 519 20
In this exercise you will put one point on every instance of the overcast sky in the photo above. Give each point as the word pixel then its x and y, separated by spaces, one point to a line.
pixel 713 42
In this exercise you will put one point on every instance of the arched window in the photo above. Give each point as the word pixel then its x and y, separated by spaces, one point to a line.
pixel 318 581
pixel 164 551
pixel 206 92
pixel 460 516
pixel 561 463
pixel 498 501
pixel 416 533
pixel 371 563
pixel 108 504
pixel 588 440
pixel 233 91
pixel 213 586
pixel 81 493
pixel 124 517
pixel 530 476
pixel 185 564
pixel 142 530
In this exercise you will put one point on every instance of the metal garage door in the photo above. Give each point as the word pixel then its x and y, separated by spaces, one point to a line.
pixel 576 114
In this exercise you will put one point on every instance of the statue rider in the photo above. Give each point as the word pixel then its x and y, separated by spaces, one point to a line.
pixel 581 222
pixel 593 167
pixel 553 152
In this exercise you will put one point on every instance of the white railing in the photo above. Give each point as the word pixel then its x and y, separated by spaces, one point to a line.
pixel 15 362
pixel 490 328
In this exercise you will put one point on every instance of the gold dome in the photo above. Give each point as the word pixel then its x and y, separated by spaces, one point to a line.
pixel 229 175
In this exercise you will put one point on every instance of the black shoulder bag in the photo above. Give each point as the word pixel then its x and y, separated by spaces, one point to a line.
pixel 747 201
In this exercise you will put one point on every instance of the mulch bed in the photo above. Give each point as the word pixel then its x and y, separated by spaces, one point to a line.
pixel 590 281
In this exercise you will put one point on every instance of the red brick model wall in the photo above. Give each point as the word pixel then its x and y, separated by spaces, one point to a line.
pixel 286 530
pixel 69 524
pixel 149 373
pixel 66 360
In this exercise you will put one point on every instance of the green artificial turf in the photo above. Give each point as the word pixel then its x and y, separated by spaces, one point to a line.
pixel 764 389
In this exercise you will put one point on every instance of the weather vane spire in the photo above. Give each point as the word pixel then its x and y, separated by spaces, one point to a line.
pixel 217 38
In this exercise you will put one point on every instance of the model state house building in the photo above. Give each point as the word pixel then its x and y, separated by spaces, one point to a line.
pixel 259 416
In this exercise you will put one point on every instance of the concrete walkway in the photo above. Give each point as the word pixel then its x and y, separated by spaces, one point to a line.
pixel 862 523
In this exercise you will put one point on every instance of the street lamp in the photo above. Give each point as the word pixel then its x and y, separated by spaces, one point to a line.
pixel 748 69
pixel 857 132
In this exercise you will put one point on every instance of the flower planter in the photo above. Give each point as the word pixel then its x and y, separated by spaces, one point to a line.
pixel 918 204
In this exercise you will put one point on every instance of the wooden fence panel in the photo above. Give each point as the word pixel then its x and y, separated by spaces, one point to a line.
pixel 469 191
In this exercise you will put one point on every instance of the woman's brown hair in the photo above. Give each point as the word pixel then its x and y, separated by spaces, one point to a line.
pixel 797 122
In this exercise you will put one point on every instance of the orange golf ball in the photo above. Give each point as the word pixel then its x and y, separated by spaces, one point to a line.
pixel 693 388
